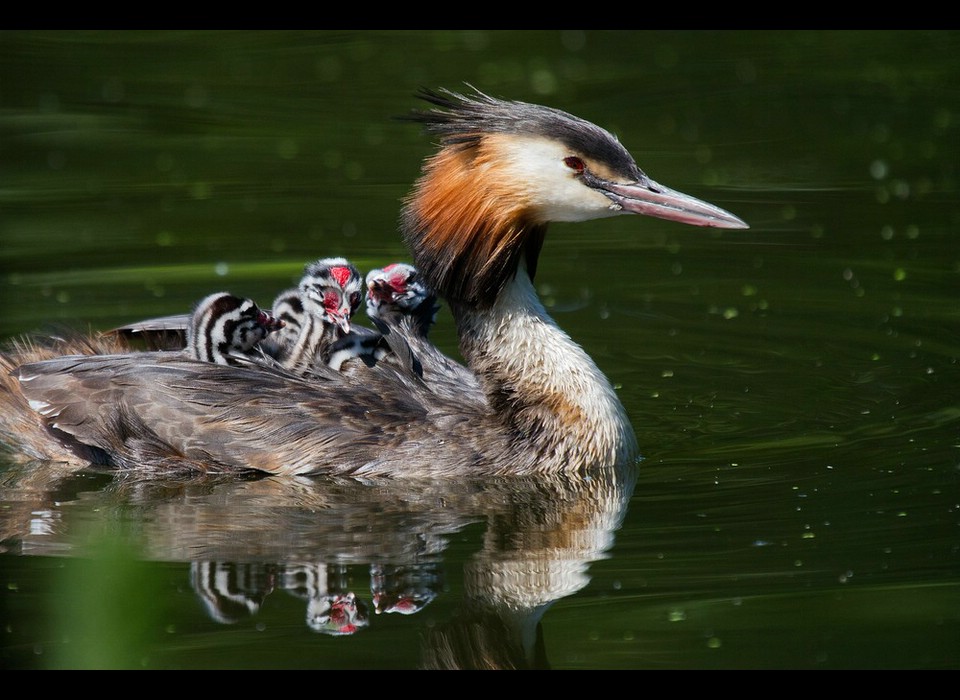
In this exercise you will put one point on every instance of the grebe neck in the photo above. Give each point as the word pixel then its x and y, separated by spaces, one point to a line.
pixel 540 382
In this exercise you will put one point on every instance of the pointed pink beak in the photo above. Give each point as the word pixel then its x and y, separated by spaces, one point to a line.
pixel 342 321
pixel 652 199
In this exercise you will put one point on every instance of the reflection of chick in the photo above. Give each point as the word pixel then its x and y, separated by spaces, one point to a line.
pixel 403 589
pixel 231 592
pixel 334 612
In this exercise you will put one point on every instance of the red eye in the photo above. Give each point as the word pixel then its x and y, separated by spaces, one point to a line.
pixel 574 164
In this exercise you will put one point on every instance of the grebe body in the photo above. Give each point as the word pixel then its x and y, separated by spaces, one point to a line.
pixel 475 222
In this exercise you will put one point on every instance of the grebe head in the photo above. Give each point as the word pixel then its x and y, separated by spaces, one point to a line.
pixel 223 325
pixel 505 170
pixel 331 288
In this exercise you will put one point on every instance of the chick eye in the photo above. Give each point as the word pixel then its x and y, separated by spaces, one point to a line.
pixel 574 164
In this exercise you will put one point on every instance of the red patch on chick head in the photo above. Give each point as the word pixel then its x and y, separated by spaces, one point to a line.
pixel 340 274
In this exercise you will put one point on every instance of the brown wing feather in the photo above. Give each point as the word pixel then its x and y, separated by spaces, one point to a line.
pixel 260 418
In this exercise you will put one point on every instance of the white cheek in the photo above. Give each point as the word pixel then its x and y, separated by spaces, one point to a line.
pixel 552 188
pixel 571 200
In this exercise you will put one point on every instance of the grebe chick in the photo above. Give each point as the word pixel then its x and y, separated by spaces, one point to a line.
pixel 475 221
pixel 342 346
pixel 225 329
pixel 397 297
pixel 172 332
pixel 287 307
pixel 404 309
pixel 329 295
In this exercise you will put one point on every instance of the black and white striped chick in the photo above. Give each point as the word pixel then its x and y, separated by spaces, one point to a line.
pixel 355 347
pixel 287 307
pixel 359 349
pixel 329 295
pixel 404 309
pixel 398 296
pixel 225 329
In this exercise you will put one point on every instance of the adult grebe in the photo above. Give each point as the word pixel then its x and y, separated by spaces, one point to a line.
pixel 475 221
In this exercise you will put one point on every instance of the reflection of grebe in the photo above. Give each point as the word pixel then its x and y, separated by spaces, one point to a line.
pixel 231 592
pixel 331 608
pixel 403 589
pixel 475 222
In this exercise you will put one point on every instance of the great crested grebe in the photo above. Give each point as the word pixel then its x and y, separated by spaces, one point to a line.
pixel 475 221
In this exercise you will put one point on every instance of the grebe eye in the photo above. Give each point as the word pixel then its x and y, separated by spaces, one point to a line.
pixel 575 164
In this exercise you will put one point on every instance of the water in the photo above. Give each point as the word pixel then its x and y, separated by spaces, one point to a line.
pixel 793 386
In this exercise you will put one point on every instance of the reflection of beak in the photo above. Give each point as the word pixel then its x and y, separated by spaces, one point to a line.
pixel 652 199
